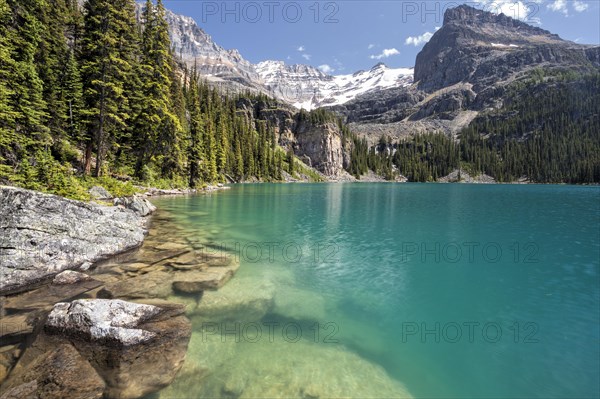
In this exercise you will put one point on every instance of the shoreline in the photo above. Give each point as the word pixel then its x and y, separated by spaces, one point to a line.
pixel 34 286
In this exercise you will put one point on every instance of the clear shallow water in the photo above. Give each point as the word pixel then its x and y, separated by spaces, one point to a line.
pixel 425 290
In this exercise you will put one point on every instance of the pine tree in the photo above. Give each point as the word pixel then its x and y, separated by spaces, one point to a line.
pixel 239 161
pixel 24 84
pixel 108 60
pixel 72 90
pixel 210 148
pixel 290 159
pixel 196 132
pixel 52 51
pixel 223 144
pixel 7 66
pixel 158 126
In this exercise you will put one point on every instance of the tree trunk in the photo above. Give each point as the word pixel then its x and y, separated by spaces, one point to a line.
pixel 88 158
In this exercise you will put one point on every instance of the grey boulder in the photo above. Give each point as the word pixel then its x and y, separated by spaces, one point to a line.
pixel 42 235
pixel 140 206
pixel 100 193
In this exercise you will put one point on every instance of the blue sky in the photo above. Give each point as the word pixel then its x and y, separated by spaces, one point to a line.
pixel 343 37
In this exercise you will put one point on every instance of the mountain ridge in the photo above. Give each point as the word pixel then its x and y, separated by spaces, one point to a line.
pixel 300 85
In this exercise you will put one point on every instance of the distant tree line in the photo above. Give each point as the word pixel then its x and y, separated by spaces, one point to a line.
pixel 547 132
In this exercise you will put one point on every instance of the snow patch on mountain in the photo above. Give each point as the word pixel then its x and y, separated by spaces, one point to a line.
pixel 309 88
pixel 302 86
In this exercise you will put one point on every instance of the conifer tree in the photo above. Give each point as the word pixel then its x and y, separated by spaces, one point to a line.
pixel 24 84
pixel 72 90
pixel 196 132
pixel 108 61
pixel 7 66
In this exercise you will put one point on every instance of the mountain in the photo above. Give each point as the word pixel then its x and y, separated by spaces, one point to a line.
pixel 302 86
pixel 307 87
pixel 466 69
pixel 196 48
pixel 482 48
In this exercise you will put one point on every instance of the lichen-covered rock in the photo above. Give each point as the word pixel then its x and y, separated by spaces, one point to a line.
pixel 141 206
pixel 108 321
pixel 100 193
pixel 70 277
pixel 41 235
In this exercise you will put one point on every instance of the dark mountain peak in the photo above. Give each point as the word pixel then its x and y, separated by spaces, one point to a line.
pixel 481 48
pixel 472 18
pixel 462 13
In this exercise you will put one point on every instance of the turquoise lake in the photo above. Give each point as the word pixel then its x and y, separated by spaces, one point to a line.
pixel 374 290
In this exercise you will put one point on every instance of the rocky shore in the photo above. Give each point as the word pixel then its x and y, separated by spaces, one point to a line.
pixel 77 322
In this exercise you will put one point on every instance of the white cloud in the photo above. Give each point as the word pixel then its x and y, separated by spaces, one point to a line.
pixel 338 64
pixel 307 57
pixel 388 52
pixel 371 46
pixel 522 10
pixel 418 40
pixel 326 68
pixel 559 6
pixel 580 6
pixel 301 48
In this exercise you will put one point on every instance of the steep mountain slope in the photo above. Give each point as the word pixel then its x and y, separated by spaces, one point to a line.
pixel 302 86
pixel 483 48
pixel 464 70
pixel 196 48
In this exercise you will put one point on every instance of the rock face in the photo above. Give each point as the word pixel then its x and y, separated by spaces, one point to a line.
pixel 42 235
pixel 122 350
pixel 323 145
pixel 196 47
pixel 319 145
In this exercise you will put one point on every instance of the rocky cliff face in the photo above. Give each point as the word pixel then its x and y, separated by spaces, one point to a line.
pixel 319 145
pixel 322 144
pixel 195 47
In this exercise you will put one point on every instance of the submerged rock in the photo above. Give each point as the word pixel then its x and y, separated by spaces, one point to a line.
pixel 16 327
pixel 250 365
pixel 134 348
pixel 70 277
pixel 242 299
pixel 59 373
pixel 45 297
pixel 42 235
